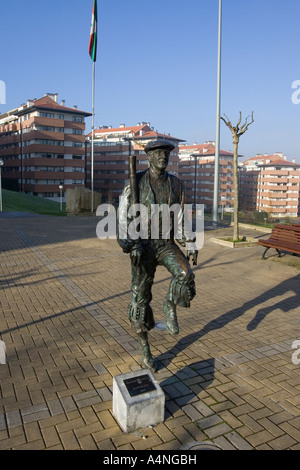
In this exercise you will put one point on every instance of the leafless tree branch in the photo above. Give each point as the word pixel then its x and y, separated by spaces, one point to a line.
pixel 245 126
pixel 228 123
pixel 236 131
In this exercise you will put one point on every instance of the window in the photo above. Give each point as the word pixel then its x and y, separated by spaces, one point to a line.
pixel 49 142
pixel 49 168
pixel 47 155
pixel 48 115
pixel 45 128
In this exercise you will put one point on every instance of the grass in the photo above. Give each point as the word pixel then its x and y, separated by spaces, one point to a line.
pixel 230 239
pixel 19 202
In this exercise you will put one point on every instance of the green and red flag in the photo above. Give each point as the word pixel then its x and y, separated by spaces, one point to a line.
pixel 93 34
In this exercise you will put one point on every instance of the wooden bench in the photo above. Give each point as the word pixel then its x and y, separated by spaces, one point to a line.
pixel 283 238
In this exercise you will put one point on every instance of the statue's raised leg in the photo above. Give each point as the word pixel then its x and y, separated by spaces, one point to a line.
pixel 169 309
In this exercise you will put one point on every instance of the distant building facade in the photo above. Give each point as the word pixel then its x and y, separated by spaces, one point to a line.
pixel 196 169
pixel 42 144
pixel 271 184
pixel 111 151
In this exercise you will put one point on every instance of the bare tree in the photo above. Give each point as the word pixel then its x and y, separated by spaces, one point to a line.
pixel 236 131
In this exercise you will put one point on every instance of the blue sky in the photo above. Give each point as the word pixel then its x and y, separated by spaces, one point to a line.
pixel 157 62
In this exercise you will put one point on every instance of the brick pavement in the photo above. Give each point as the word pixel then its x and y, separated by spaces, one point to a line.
pixel 228 376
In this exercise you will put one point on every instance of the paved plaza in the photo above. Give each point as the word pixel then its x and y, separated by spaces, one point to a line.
pixel 229 377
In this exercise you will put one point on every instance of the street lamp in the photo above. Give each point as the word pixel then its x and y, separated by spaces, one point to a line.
pixel 217 145
pixel 60 187
pixel 1 165
pixel 195 183
pixel 132 171
pixel 128 139
pixel 223 198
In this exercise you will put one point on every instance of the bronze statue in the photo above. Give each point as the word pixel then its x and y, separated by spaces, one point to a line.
pixel 152 188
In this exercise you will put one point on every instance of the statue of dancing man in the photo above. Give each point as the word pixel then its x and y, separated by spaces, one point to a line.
pixel 155 187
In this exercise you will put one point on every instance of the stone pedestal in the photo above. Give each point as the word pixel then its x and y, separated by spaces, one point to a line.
pixel 78 200
pixel 138 400
pixel 2 353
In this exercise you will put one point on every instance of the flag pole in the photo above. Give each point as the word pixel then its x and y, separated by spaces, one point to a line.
pixel 217 145
pixel 92 153
pixel 93 54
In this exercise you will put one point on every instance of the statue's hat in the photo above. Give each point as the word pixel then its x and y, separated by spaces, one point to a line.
pixel 159 144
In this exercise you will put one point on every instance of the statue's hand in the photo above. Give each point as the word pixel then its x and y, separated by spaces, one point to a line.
pixel 136 256
pixel 194 255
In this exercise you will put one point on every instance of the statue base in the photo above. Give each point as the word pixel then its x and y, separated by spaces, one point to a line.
pixel 138 400
pixel 2 353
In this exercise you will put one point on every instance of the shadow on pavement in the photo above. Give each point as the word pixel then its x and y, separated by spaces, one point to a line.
pixel 184 386
pixel 290 285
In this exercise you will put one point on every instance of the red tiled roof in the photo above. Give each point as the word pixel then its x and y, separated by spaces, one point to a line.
pixel 268 160
pixel 112 130
pixel 48 103
pixel 264 158
pixel 198 147
pixel 148 133
pixel 281 162
pixel 107 130
pixel 209 148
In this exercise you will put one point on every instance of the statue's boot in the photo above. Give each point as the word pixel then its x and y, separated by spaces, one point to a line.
pixel 148 361
pixel 171 318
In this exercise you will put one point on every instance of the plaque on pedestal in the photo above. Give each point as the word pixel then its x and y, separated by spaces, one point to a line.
pixel 138 400
pixel 2 353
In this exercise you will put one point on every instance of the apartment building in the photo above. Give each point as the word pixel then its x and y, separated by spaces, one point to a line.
pixel 42 144
pixel 271 184
pixel 111 152
pixel 196 169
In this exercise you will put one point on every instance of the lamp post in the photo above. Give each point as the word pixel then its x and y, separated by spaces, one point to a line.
pixel 195 183
pixel 1 165
pixel 128 139
pixel 132 172
pixel 217 146
pixel 60 187
pixel 223 198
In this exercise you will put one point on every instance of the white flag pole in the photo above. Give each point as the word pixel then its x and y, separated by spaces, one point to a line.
pixel 217 145
pixel 92 153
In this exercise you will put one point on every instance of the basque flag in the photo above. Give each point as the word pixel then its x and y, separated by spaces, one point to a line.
pixel 93 34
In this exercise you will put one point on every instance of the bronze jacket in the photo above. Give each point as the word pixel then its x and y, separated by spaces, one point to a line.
pixel 147 203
